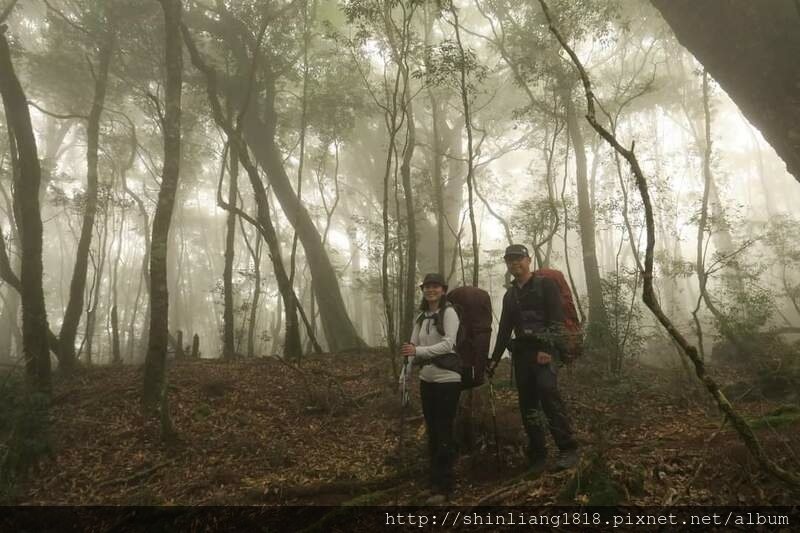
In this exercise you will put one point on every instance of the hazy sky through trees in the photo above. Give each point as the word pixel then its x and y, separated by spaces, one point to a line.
pixel 525 167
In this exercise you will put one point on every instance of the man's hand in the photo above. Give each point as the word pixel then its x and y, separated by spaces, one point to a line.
pixel 543 358
pixel 491 367
pixel 408 349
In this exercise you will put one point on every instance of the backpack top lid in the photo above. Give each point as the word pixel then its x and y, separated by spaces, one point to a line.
pixel 474 307
pixel 571 314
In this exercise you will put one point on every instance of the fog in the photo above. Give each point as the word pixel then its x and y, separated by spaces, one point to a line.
pixel 340 79
pixel 206 196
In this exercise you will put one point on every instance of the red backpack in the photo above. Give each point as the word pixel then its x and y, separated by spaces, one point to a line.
pixel 474 308
pixel 572 324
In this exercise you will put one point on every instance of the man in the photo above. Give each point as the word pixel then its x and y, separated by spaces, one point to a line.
pixel 532 309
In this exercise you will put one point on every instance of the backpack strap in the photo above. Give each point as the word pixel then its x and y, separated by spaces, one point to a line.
pixel 439 320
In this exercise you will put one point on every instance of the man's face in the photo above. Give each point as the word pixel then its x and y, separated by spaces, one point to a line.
pixel 518 265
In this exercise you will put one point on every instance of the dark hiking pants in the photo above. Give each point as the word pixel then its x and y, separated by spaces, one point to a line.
pixel 539 400
pixel 439 405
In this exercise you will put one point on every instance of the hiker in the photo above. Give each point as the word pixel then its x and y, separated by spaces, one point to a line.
pixel 432 349
pixel 532 309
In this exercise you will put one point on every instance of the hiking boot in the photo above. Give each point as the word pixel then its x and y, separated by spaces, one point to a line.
pixel 566 459
pixel 437 499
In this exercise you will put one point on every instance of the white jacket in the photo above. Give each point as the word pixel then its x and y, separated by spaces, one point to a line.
pixel 429 343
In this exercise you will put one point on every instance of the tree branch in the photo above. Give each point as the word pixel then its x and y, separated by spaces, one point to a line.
pixel 648 292
pixel 67 116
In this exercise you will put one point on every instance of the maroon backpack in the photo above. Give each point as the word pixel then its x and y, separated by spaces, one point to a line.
pixel 572 324
pixel 474 308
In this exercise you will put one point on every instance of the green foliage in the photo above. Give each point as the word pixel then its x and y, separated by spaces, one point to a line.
pixel 670 267
pixel 746 308
pixel 621 339
pixel 529 42
pixel 24 430
pixel 745 305
pixel 444 63
pixel 783 238
pixel 536 216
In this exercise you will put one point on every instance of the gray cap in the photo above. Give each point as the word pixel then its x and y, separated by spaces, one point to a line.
pixel 432 278
pixel 518 250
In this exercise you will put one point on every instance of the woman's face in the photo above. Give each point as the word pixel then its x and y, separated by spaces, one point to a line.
pixel 432 292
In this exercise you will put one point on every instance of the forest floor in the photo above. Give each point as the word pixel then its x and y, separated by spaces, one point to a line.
pixel 326 432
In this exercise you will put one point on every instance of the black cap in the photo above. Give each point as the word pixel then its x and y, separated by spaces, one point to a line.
pixel 434 277
pixel 516 250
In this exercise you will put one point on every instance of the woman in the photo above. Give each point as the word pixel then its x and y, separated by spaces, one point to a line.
pixel 432 349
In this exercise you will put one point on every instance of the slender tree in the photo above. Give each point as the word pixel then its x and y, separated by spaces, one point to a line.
pixel 72 314
pixel 263 220
pixel 464 90
pixel 155 363
pixel 648 292
pixel 228 350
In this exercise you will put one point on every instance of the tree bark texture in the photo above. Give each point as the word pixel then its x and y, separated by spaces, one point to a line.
pixel 228 350
pixel 597 310
pixel 29 222
pixel 155 363
pixel 752 49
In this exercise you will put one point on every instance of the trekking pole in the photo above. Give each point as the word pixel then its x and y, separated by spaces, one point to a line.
pixel 404 401
pixel 494 420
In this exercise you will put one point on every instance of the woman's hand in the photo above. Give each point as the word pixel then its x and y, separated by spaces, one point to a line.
pixel 408 350
pixel 543 358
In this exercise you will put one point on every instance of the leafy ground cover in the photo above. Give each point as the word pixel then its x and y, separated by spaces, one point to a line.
pixel 326 431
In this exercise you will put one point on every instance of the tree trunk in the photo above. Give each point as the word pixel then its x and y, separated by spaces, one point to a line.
pixel 408 192
pixel 453 191
pixel 438 183
pixel 256 256
pixel 228 350
pixel 8 324
pixel 77 288
pixel 29 222
pixel 751 50
pixel 263 220
pixel 155 363
pixel 278 325
pixel 339 330
pixel 356 298
pixel 700 266
pixel 116 353
pixel 470 149
pixel 9 328
pixel 597 310
pixel 175 268
pixel 94 292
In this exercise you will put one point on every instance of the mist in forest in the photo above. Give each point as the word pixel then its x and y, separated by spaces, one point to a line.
pixel 389 143
pixel 266 184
